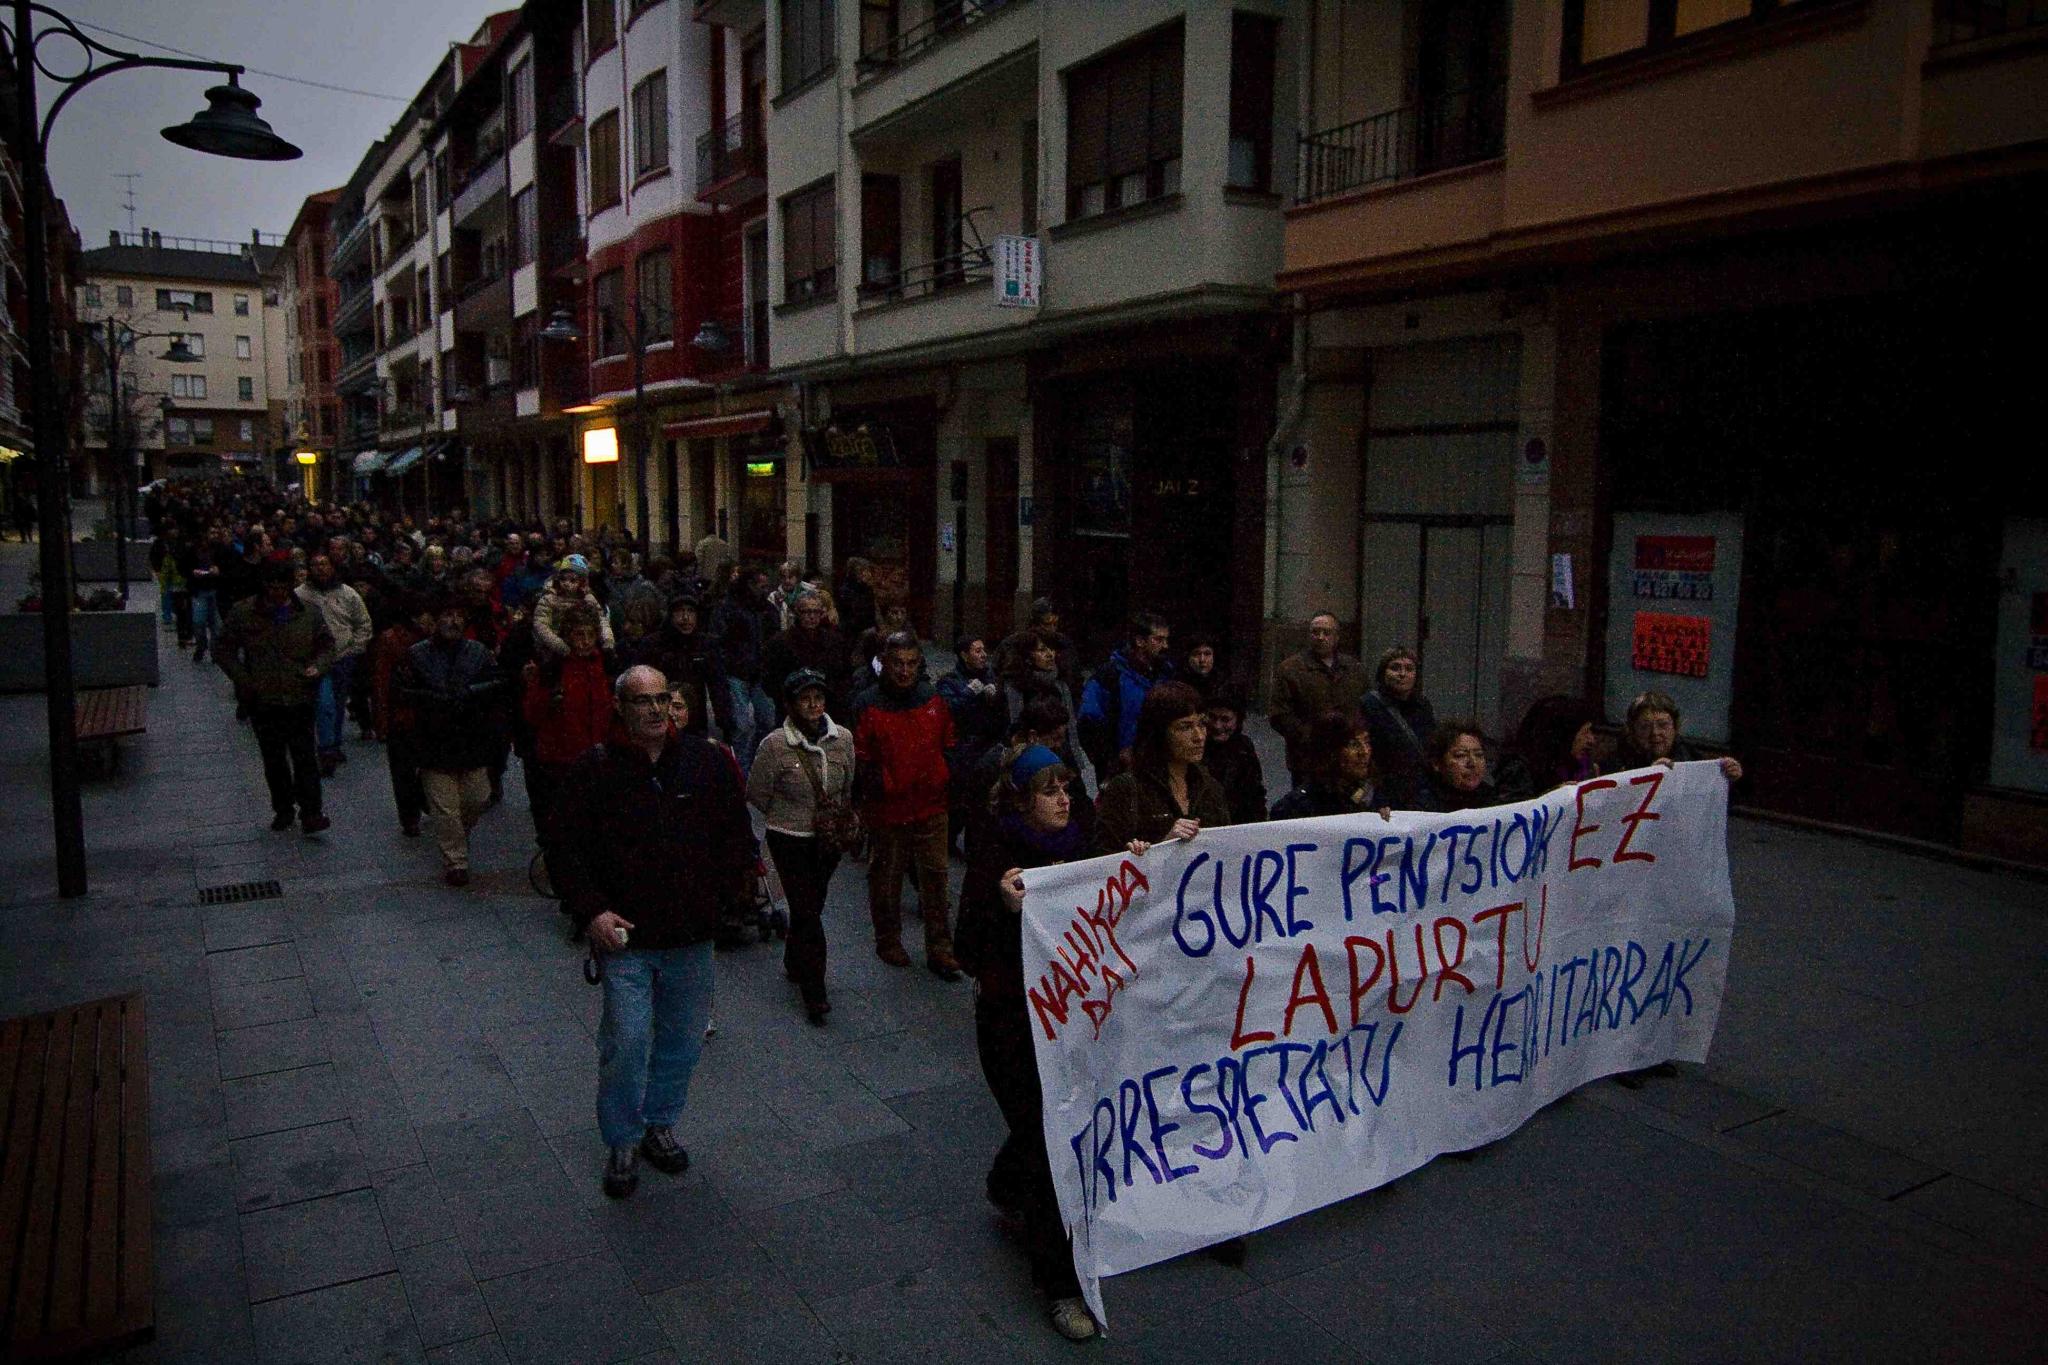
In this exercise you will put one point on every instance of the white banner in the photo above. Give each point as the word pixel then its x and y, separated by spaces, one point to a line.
pixel 1269 1018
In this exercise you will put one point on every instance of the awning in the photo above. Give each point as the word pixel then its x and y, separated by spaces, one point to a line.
pixel 731 424
pixel 401 463
pixel 368 463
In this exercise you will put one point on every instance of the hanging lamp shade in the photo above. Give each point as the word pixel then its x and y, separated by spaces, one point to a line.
pixel 228 126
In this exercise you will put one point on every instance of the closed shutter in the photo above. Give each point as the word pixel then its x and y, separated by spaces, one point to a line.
pixel 1167 60
pixel 1130 98
pixel 796 245
pixel 1087 121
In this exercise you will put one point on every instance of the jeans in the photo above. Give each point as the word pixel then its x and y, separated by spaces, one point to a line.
pixel 166 609
pixel 284 735
pixel 923 848
pixel 656 1003
pixel 806 867
pixel 753 716
pixel 205 621
pixel 333 706
pixel 455 800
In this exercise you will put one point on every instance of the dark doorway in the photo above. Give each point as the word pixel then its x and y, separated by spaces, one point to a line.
pixel 1000 535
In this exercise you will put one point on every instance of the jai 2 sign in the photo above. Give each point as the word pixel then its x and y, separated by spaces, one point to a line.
pixel 1017 271
pixel 1269 1018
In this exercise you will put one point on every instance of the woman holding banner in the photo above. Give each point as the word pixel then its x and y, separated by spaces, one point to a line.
pixel 1337 777
pixel 1554 745
pixel 1651 736
pixel 1400 719
pixel 1167 793
pixel 1033 827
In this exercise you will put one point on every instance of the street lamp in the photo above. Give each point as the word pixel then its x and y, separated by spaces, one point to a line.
pixel 228 126
pixel 120 337
pixel 562 327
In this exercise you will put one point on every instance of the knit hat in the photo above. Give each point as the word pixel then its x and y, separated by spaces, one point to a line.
pixel 574 564
pixel 1030 763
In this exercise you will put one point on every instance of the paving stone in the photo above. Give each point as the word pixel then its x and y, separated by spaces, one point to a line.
pixel 244 926
pixel 195 1194
pixel 284 1099
pixel 263 1002
pixel 2007 1227
pixel 281 1046
pixel 534 1223
pixel 308 1246
pixel 253 966
pixel 580 1311
pixel 368 1320
pixel 297 1164
pixel 674 1231
pixel 1837 1155
pixel 445 1303
pixel 476 1351
pixel 412 1207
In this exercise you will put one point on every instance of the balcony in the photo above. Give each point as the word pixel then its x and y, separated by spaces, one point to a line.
pixel 737 15
pixel 1967 21
pixel 1458 129
pixel 483 184
pixel 974 263
pixel 948 18
pixel 561 248
pixel 732 161
pixel 354 308
pixel 485 304
pixel 561 120
pixel 402 421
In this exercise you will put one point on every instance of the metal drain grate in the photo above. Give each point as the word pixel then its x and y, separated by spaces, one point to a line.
pixel 237 892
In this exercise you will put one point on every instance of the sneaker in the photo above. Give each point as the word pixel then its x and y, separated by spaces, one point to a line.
pixel 313 824
pixel 1072 1320
pixel 893 954
pixel 943 965
pixel 456 876
pixel 663 1152
pixel 622 1172
pixel 283 821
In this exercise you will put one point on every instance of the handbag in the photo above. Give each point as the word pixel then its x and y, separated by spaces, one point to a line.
pixel 835 822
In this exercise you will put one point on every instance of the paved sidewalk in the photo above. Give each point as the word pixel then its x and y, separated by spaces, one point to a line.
pixel 372 1107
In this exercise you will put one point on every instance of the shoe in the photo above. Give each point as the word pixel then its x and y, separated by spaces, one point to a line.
pixel 622 1172
pixel 456 876
pixel 663 1152
pixel 497 795
pixel 328 763
pixel 1228 1252
pixel 816 1010
pixel 198 656
pixel 313 824
pixel 1072 1320
pixel 943 966
pixel 410 828
pixel 283 821
pixel 893 954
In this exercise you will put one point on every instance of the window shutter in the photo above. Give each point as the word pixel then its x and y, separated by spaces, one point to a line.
pixel 1167 61
pixel 1129 100
pixel 1087 122
pixel 824 235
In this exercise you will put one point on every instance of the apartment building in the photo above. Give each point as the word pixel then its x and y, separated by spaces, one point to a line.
pixel 357 389
pixel 312 416
pixel 1666 346
pixel 18 471
pixel 222 409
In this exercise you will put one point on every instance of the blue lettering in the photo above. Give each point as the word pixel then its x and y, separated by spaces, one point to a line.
pixel 1160 1130
pixel 1686 964
pixel 1187 1095
pixel 1353 872
pixel 1182 915
pixel 1382 907
pixel 1268 868
pixel 1296 924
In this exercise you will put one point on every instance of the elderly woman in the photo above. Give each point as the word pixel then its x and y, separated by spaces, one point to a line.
pixel 1651 736
pixel 1400 718
pixel 1457 769
pixel 1338 776
pixel 803 769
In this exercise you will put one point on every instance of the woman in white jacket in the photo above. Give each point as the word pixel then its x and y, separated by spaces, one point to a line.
pixel 803 767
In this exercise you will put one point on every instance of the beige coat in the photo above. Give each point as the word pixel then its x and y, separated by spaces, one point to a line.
pixel 548 611
pixel 777 787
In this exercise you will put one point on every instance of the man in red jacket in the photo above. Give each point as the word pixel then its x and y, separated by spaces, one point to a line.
pixel 902 735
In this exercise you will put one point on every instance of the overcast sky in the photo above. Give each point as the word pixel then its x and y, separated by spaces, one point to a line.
pixel 388 46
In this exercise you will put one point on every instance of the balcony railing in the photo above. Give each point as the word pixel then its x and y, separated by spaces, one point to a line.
pixel 558 111
pixel 730 151
pixel 929 277
pixel 1457 129
pixel 947 18
pixel 1965 21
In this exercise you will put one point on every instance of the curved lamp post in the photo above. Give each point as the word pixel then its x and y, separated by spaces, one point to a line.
pixel 228 126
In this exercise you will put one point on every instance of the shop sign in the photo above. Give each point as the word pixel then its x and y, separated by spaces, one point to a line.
pixel 1671 644
pixel 867 446
pixel 1674 568
pixel 1018 274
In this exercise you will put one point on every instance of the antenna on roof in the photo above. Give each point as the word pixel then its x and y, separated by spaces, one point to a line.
pixel 128 201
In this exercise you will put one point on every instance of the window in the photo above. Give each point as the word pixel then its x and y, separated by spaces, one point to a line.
pixel 1123 126
pixel 806 41
pixel 948 236
pixel 242 348
pixel 600 27
pixel 92 296
pixel 1027 176
pixel 248 430
pixel 188 386
pixel 326 367
pixel 320 314
pixel 879 23
pixel 1253 39
pixel 196 344
pixel 604 161
pixel 241 305
pixel 245 389
pixel 444 183
pixel 420 213
pixel 881 232
pixel 608 301
pixel 124 295
pixel 271 298
pixel 519 99
pixel 1597 30
pixel 199 301
pixel 654 288
pixel 202 431
pixel 810 244
pixel 650 125
pixel 526 351
pixel 178 431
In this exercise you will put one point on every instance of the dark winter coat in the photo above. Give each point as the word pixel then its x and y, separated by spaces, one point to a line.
pixel 455 692
pixel 1303 802
pixel 990 940
pixel 1234 763
pixel 743 627
pixel 823 649
pixel 694 667
pixel 265 652
pixel 1399 730
pixel 979 718
pixel 1139 805
pixel 1109 708
pixel 1305 688
pixel 901 743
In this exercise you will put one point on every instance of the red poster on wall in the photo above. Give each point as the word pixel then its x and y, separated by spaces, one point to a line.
pixel 1671 644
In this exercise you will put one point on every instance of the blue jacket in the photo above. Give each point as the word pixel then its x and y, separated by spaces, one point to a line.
pixel 1109 708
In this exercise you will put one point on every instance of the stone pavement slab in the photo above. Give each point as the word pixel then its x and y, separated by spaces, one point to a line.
pixel 372 1101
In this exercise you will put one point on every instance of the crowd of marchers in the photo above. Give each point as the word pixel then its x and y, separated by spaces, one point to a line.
pixel 663 709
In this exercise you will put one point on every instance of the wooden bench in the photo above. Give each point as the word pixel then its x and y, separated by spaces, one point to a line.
pixel 76 1263
pixel 105 714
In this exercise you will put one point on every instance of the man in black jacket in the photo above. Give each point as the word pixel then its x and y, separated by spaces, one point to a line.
pixel 454 688
pixel 688 658
pixel 652 836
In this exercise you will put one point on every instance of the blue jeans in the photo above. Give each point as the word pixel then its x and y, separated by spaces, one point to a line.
pixel 205 620
pixel 332 717
pixel 656 1003
pixel 753 716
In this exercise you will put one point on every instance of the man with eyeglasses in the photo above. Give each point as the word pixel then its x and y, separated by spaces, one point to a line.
pixel 653 836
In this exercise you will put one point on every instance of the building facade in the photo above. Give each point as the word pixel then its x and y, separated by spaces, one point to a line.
pixel 222 409
pixel 1634 337
pixel 312 416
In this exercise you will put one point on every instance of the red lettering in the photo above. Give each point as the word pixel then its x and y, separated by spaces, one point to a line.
pixel 1394 973
pixel 1352 944
pixel 1311 967
pixel 1238 1037
pixel 1501 913
pixel 1049 999
pixel 1640 814
pixel 1446 966
pixel 1580 829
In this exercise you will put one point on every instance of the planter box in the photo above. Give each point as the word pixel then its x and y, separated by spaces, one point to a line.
pixel 108 649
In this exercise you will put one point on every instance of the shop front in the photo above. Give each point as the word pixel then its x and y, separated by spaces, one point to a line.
pixel 878 465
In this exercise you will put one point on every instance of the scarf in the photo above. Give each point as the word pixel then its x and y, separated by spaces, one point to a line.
pixel 1055 846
